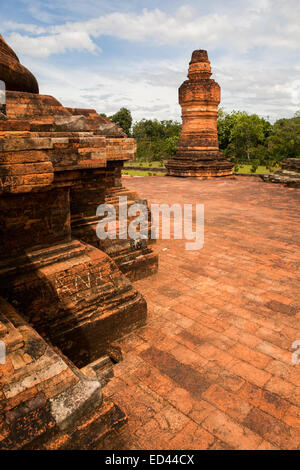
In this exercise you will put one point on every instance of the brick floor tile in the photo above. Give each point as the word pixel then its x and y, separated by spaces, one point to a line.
pixel 281 308
pixel 272 430
pixel 227 430
pixel 220 445
pixel 242 336
pixel 192 437
pixel 160 384
pixel 182 400
pixel 249 372
pixel 249 355
pixel 292 417
pixel 265 445
pixel 287 372
pixel 274 337
pixel 228 402
pixel 263 399
pixel 275 352
pixel 283 388
pixel 185 355
pixel 201 410
pixel 182 374
pixel 186 310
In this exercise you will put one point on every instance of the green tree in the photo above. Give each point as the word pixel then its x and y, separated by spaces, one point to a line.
pixel 171 128
pixel 154 129
pixel 247 133
pixel 243 136
pixel 284 141
pixel 148 129
pixel 156 140
pixel 123 119
pixel 171 144
pixel 226 122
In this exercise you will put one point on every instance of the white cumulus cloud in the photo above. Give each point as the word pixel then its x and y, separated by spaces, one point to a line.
pixel 271 23
pixel 59 43
pixel 253 44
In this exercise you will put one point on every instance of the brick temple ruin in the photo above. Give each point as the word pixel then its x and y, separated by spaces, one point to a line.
pixel 198 152
pixel 65 295
pixel 212 368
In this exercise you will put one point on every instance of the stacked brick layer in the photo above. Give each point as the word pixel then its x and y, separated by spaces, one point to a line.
pixel 83 140
pixel 44 398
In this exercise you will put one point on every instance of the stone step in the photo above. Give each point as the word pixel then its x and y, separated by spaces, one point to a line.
pixel 101 368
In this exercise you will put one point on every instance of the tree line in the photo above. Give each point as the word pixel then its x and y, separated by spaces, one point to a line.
pixel 244 138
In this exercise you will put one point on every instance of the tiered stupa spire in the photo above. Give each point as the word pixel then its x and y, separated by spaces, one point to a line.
pixel 198 152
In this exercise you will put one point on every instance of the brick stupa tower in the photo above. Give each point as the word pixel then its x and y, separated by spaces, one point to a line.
pixel 198 152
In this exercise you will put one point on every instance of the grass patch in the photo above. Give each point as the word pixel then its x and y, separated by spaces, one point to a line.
pixel 247 169
pixel 157 164
pixel 141 173
pixel 154 164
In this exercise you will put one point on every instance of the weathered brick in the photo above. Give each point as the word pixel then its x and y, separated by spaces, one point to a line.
pixel 227 430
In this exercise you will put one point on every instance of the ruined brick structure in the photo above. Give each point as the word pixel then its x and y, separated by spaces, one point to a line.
pixel 198 148
pixel 65 296
pixel 14 74
pixel 289 175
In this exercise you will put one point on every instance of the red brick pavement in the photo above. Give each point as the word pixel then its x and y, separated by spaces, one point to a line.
pixel 212 369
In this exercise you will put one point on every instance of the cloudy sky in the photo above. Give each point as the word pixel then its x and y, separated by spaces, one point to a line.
pixel 107 54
